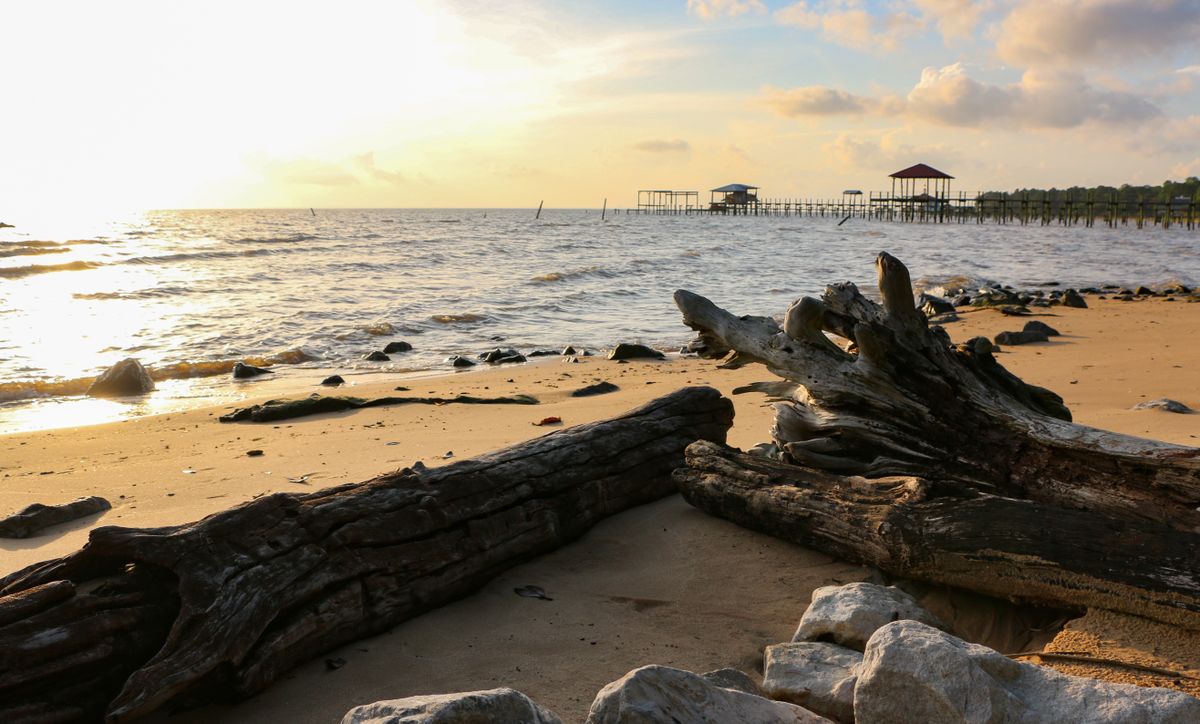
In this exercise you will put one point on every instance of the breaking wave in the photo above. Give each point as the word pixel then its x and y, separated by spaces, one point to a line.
pixel 33 250
pixel 465 318
pixel 18 272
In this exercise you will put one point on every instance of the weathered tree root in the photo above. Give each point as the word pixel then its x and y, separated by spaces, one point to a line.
pixel 215 610
pixel 931 461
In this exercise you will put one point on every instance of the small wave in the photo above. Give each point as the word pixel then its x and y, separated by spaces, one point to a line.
pixel 31 389
pixel 692 254
pixel 40 244
pixel 155 293
pixel 18 272
pixel 205 255
pixel 465 318
pixel 33 251
pixel 375 329
pixel 449 221
pixel 274 239
pixel 562 276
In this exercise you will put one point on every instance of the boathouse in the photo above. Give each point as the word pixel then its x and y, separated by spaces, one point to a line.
pixel 733 198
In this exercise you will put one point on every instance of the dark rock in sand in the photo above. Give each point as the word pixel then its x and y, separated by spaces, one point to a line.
pixel 1164 404
pixel 1144 291
pixel 127 377
pixel 625 351
pixel 243 371
pixel 1015 311
pixel 393 347
pixel 1046 329
pixel 1071 298
pixel 568 351
pixel 1040 303
pixel 1025 337
pixel 600 388
pixel 333 381
pixel 933 305
pixel 495 354
pixel 275 410
pixel 37 517
pixel 542 353
pixel 962 300
pixel 377 356
pixel 993 297
pixel 460 361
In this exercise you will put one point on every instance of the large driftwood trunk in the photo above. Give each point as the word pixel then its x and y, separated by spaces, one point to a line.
pixel 217 610
pixel 999 469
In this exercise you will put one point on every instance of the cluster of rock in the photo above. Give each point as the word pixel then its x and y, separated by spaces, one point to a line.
pixel 1168 293
pixel 939 302
pixel 862 653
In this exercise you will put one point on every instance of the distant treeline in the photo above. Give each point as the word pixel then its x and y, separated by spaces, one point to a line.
pixel 1166 191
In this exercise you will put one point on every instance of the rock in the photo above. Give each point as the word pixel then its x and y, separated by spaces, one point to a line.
pixel 35 518
pixel 502 356
pixel 1046 329
pixel 733 679
pixel 932 305
pixel 394 347
pixel 376 356
pixel 1144 291
pixel 333 381
pixel 994 297
pixel 1018 310
pixel 243 371
pixel 460 361
pixel 654 694
pixel 600 388
pixel 470 707
pixel 1025 337
pixel 634 351
pixel 962 300
pixel 849 614
pixel 913 672
pixel 568 351
pixel 127 377
pixel 542 353
pixel 1071 298
pixel 818 676
pixel 1164 404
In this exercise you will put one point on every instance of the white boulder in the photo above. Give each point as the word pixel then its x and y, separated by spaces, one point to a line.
pixel 470 707
pixel 849 614
pixel 914 672
pixel 818 676
pixel 662 695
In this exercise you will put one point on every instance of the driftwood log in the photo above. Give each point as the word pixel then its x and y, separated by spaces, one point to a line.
pixel 931 461
pixel 139 619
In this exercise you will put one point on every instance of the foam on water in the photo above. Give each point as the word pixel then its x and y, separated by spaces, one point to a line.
pixel 191 292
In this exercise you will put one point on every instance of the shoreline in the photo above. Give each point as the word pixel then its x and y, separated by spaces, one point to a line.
pixel 630 591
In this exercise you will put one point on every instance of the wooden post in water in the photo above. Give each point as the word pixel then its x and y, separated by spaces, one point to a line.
pixel 539 213
pixel 604 210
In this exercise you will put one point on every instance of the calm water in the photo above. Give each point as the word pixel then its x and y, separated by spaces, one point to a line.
pixel 190 292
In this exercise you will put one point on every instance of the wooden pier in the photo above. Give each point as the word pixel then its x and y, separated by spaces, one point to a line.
pixel 907 201
pixel 1048 209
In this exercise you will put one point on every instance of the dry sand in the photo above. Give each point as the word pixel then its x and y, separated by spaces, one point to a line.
pixel 659 584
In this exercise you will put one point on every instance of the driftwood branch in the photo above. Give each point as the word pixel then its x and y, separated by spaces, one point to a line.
pixel 140 619
pixel 931 461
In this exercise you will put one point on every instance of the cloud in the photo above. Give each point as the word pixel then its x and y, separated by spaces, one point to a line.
pixel 955 19
pixel 887 154
pixel 1042 99
pixel 1189 70
pixel 845 23
pixel 949 96
pixel 709 9
pixel 663 146
pixel 1064 32
pixel 365 164
pixel 354 171
pixel 813 100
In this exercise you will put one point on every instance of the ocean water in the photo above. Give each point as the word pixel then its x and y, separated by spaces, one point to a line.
pixel 191 292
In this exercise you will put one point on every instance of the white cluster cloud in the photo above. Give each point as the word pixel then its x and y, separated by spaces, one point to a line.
pixel 1060 32
pixel 709 9
pixel 950 96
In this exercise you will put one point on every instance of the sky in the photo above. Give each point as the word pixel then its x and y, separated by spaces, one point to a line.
pixel 413 103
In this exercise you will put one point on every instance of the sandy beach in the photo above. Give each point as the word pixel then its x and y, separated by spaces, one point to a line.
pixel 662 583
